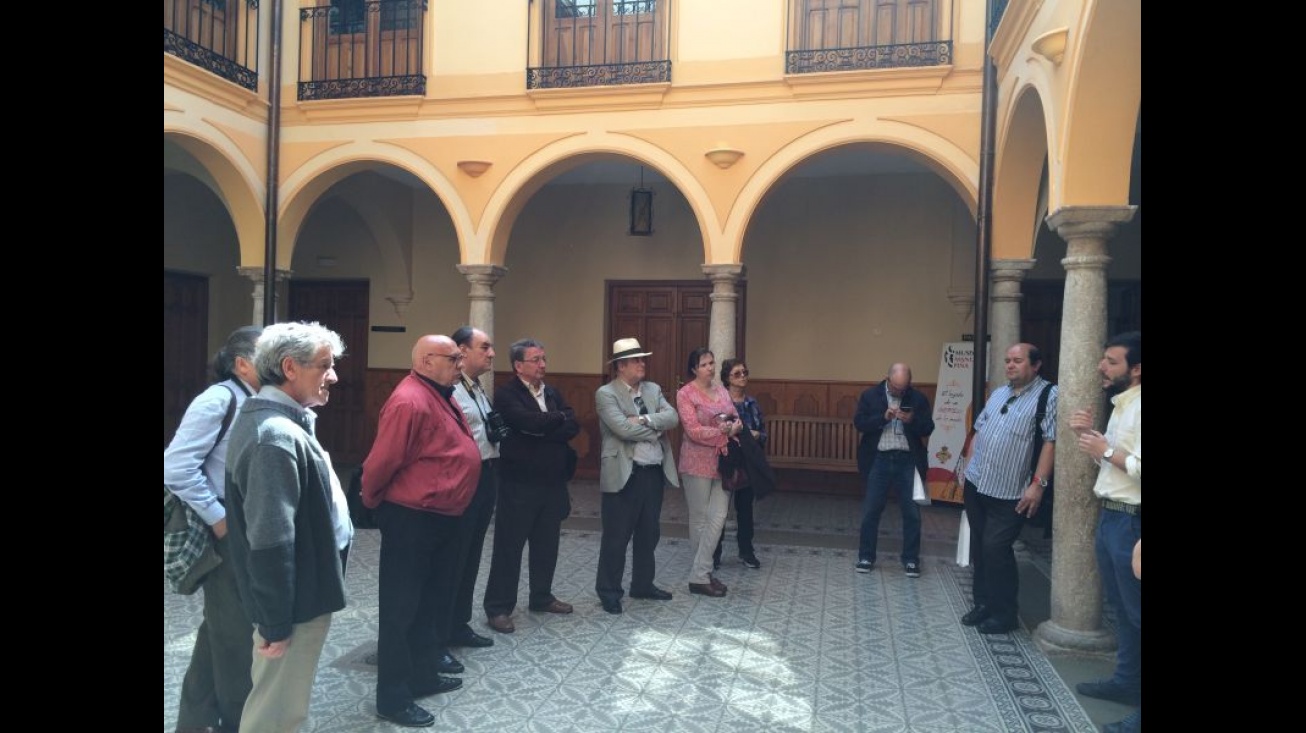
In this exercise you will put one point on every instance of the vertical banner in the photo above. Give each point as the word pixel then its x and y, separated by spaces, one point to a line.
pixel 952 420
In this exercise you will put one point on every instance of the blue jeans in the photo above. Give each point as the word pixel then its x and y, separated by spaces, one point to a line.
pixel 1116 534
pixel 891 469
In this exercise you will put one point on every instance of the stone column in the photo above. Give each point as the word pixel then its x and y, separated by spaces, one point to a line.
pixel 1076 623
pixel 725 303
pixel 480 312
pixel 260 291
pixel 1004 314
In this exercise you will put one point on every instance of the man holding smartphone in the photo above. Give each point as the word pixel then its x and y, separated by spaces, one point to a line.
pixel 895 422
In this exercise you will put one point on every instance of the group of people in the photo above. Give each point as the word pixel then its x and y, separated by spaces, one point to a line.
pixel 446 459
pixel 1008 463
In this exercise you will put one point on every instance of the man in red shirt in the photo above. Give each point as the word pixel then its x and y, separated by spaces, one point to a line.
pixel 419 477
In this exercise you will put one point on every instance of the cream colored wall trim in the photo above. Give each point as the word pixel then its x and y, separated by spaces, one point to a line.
pixel 207 85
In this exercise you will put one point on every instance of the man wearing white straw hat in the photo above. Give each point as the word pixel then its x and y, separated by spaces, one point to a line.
pixel 637 463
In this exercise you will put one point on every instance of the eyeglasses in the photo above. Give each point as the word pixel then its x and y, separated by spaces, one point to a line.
pixel 453 358
pixel 639 402
pixel 741 373
pixel 1010 399
pixel 537 360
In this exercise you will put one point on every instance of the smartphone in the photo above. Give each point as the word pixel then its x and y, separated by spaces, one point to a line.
pixel 904 408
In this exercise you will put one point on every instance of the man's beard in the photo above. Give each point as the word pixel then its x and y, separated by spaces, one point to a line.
pixel 1118 385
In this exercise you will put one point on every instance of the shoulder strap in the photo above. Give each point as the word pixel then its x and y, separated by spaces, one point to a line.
pixel 1039 414
pixel 226 420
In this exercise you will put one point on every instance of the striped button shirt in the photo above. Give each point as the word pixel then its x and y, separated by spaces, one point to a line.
pixel 1003 449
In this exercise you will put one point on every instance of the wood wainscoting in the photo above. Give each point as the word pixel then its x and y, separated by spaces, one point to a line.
pixel 821 399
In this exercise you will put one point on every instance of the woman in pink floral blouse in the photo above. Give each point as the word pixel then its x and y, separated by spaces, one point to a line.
pixel 707 419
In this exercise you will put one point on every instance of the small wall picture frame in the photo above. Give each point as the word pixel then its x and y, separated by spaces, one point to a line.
pixel 641 212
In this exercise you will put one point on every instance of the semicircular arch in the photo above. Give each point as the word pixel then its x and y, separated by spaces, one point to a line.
pixel 559 157
pixel 232 180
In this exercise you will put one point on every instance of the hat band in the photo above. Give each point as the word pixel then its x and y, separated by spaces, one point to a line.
pixel 629 353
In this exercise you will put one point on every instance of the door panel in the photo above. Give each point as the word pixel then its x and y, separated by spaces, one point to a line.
pixel 185 345
pixel 342 306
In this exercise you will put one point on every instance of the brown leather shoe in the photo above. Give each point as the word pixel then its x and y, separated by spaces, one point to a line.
pixel 718 584
pixel 555 606
pixel 501 623
pixel 706 589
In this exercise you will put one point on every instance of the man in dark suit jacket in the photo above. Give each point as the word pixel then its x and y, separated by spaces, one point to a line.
pixel 533 498
pixel 894 420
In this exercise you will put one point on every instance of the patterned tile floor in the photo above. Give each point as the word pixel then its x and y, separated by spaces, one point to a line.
pixel 804 644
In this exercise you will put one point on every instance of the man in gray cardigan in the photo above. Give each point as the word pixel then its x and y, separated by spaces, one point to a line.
pixel 289 520
pixel 636 463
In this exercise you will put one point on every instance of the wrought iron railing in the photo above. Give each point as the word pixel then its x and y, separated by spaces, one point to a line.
pixel 361 48
pixel 218 35
pixel 834 35
pixel 587 43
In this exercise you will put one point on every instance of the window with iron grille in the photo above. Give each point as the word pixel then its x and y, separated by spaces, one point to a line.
pixel 598 42
pixel 838 35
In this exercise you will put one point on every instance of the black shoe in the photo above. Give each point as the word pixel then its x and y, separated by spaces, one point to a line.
pixel 1109 690
pixel 655 594
pixel 613 606
pixel 1131 724
pixel 750 561
pixel 448 664
pixel 912 569
pixel 995 625
pixel 470 638
pixel 975 616
pixel 413 716
pixel 441 685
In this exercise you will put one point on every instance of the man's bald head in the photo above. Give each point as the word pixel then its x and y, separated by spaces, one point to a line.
pixel 899 377
pixel 437 358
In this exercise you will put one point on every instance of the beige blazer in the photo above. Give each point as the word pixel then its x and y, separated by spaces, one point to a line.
pixel 615 404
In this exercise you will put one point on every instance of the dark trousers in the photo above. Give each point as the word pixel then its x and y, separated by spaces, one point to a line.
pixel 416 583
pixel 217 681
pixel 744 524
pixel 472 527
pixel 635 511
pixel 525 512
pixel 1116 534
pixel 891 470
pixel 994 528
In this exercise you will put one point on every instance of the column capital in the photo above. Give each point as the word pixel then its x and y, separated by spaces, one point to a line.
pixel 256 274
pixel 1101 222
pixel 730 273
pixel 482 274
pixel 1007 275
pixel 963 301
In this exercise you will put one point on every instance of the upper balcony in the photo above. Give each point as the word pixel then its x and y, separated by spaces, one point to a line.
pixel 585 43
pixel 846 35
pixel 361 48
pixel 218 35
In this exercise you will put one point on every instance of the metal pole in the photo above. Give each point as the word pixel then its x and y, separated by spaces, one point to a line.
pixel 984 226
pixel 273 168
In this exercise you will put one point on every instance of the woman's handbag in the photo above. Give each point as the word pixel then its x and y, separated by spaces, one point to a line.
pixel 730 465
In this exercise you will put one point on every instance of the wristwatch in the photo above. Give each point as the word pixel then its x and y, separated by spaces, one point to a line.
pixel 1042 482
pixel 1106 454
pixel 643 420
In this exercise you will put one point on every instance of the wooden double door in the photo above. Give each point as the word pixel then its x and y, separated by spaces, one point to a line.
pixel 342 306
pixel 670 319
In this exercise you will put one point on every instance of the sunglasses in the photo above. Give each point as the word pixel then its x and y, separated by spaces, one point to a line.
pixel 1007 404
pixel 740 373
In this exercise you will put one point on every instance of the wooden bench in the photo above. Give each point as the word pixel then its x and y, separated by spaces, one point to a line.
pixel 812 443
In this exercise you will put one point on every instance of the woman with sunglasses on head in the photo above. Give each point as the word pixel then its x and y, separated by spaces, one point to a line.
pixel 734 375
pixel 708 420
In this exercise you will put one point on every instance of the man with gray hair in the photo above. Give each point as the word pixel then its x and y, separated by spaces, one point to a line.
pixel 289 521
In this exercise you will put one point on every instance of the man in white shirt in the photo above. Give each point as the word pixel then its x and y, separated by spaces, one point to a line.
pixel 1119 452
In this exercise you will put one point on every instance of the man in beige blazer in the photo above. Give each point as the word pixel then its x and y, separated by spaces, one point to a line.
pixel 636 463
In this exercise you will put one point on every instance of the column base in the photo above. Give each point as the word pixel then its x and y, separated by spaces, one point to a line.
pixel 1053 638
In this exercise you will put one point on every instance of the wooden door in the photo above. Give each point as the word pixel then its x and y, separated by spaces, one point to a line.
pixel 828 24
pixel 185 345
pixel 342 306
pixel 1040 316
pixel 632 33
pixel 670 319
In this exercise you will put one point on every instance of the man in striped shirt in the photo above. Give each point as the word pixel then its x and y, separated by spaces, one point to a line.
pixel 1001 489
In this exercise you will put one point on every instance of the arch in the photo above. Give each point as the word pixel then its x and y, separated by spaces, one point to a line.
pixel 308 184
pixel 1102 107
pixel 953 164
pixel 559 157
pixel 231 179
pixel 1017 175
